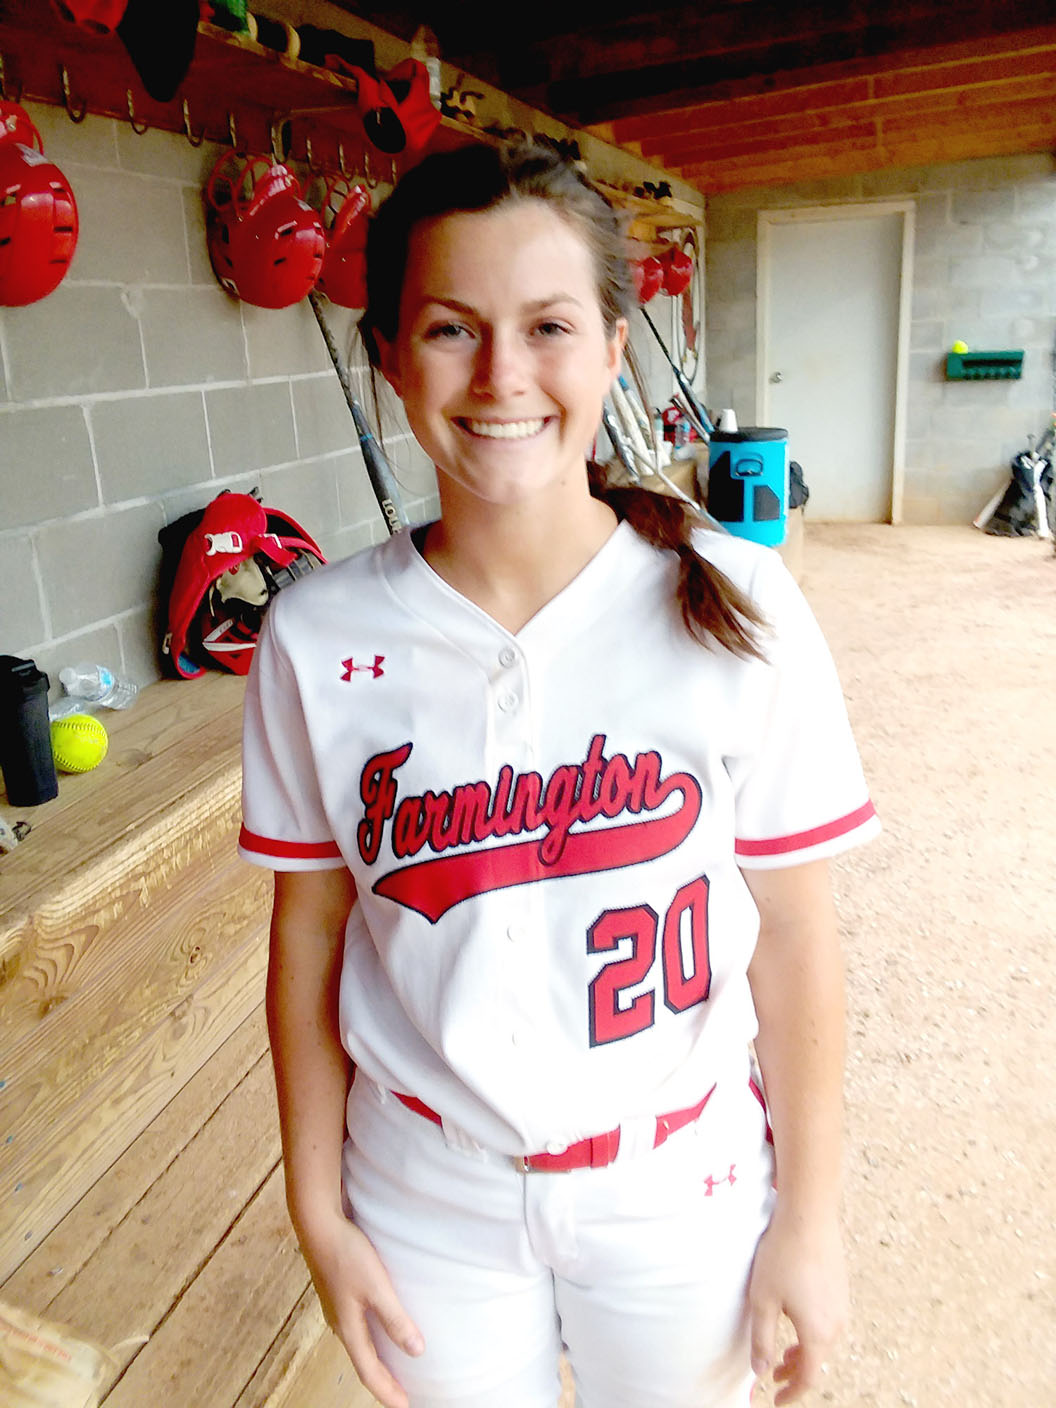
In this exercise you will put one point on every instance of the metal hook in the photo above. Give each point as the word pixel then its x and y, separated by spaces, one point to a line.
pixel 232 132
pixel 279 139
pixel 67 97
pixel 368 175
pixel 8 97
pixel 309 159
pixel 137 127
pixel 194 141
pixel 341 159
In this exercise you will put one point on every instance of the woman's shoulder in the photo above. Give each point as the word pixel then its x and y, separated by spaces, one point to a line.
pixel 751 566
pixel 345 578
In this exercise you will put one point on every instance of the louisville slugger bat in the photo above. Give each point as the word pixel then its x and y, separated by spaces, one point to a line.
pixel 379 471
pixel 705 427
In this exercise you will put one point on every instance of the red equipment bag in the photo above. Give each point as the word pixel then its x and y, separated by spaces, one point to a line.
pixel 220 568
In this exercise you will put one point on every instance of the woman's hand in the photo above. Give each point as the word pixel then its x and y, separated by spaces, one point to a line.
pixel 798 1271
pixel 350 1281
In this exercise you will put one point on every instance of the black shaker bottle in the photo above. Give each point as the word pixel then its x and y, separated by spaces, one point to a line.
pixel 25 734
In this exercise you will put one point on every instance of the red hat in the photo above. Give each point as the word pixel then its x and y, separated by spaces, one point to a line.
pixel 395 124
pixel 158 34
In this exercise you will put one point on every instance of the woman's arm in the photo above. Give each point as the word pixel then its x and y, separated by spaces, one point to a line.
pixel 796 977
pixel 312 1075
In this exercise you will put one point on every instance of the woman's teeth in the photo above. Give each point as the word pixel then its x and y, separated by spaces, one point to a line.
pixel 504 430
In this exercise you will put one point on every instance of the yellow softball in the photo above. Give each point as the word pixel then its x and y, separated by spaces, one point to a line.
pixel 78 743
pixel 959 346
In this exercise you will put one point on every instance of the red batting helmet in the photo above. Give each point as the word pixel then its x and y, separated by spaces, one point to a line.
pixel 38 225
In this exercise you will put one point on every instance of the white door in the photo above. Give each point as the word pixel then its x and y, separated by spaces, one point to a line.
pixel 831 309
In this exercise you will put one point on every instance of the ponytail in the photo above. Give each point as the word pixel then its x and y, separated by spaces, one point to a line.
pixel 714 609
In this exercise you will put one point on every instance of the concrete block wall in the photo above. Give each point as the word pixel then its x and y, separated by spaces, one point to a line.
pixel 139 390
pixel 984 272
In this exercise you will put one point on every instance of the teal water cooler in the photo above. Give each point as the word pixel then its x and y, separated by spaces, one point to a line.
pixel 748 482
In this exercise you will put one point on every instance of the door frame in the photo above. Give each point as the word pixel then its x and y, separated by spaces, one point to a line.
pixel 767 219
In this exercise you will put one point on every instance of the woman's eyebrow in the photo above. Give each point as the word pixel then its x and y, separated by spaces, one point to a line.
pixel 535 306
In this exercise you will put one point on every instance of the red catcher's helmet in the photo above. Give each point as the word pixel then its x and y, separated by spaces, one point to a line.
pixel 648 277
pixel 266 246
pixel 678 270
pixel 344 275
pixel 38 225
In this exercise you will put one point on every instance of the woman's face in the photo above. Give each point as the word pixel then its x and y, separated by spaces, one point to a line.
pixel 502 357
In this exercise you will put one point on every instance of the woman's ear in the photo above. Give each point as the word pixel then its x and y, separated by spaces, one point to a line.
pixel 388 362
pixel 617 342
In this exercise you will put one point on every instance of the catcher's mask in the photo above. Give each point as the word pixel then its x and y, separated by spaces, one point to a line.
pixel 266 245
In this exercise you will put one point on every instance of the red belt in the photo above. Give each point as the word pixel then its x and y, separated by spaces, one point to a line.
pixel 595 1152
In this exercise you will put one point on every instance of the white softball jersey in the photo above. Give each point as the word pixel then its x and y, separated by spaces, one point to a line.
pixel 546 829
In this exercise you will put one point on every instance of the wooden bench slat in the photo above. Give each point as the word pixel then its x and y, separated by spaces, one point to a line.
pixel 131 1283
pixel 61 1255
pixel 209 1347
pixel 69 1158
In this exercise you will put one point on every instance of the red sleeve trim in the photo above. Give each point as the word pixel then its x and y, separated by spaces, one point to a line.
pixel 301 850
pixel 803 840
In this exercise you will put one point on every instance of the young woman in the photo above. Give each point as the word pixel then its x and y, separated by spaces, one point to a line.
pixel 549 787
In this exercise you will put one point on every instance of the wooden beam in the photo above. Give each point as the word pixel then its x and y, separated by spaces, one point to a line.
pixel 715 178
pixel 635 115
pixel 743 137
pixel 655 135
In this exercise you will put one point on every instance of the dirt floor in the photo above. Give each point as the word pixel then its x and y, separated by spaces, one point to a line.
pixel 946 643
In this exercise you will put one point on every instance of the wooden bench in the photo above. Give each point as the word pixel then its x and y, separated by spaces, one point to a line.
pixel 141 1197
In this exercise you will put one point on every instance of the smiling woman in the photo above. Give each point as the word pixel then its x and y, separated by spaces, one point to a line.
pixel 535 884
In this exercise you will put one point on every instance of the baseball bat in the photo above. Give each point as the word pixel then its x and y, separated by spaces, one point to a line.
pixel 705 426
pixel 379 471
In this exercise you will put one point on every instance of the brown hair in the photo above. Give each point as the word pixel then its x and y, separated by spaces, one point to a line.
pixel 480 177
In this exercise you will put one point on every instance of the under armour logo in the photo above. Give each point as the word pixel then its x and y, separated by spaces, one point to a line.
pixel 351 667
pixel 710 1184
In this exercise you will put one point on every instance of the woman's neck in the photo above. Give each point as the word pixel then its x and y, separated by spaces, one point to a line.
pixel 512 560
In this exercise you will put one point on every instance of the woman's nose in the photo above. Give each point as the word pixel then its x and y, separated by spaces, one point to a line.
pixel 501 366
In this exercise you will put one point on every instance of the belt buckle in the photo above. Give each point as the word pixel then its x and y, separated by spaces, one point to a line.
pixel 523 1164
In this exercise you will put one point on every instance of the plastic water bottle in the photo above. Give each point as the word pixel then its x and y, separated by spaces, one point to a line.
pixel 90 686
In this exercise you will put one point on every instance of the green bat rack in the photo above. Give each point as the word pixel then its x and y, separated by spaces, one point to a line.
pixel 984 366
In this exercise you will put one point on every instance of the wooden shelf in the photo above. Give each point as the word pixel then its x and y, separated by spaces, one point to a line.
pixel 236 92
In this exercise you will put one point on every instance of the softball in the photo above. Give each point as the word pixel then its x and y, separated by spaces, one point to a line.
pixel 959 347
pixel 78 743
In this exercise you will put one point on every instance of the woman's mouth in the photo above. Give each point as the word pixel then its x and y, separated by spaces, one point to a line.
pixel 502 429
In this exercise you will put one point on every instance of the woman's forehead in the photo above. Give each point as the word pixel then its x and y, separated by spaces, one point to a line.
pixel 465 251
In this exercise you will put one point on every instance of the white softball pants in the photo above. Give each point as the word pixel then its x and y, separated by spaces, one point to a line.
pixel 640 1269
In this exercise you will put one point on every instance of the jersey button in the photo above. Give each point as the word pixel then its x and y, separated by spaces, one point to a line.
pixel 556 1147
pixel 515 932
pixel 507 702
pixel 507 657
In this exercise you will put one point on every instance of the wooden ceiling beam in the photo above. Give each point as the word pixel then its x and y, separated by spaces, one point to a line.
pixel 772 133
pixel 636 112
pixel 716 177
pixel 821 99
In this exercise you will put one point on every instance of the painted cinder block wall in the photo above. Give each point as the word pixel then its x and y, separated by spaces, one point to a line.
pixel 984 271
pixel 139 389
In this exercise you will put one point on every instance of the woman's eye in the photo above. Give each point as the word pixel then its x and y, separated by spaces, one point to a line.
pixel 551 329
pixel 444 332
